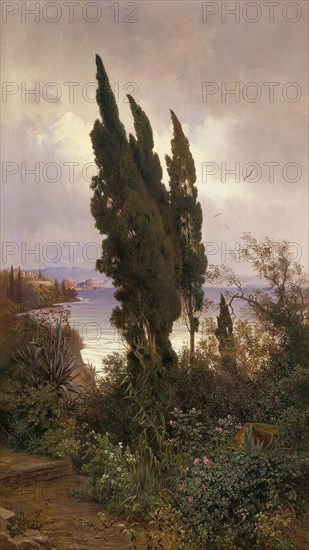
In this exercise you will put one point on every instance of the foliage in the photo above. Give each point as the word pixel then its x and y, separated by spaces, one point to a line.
pixel 167 529
pixel 54 363
pixel 35 411
pixel 188 220
pixel 138 252
pixel 62 441
pixel 107 464
pixel 282 306
pixel 26 517
pixel 188 430
pixel 225 495
pixel 106 408
pixel 256 435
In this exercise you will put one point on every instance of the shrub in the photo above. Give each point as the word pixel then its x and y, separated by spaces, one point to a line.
pixel 107 465
pixel 224 496
pixel 62 441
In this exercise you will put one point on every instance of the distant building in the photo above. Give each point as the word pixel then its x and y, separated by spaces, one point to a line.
pixel 28 275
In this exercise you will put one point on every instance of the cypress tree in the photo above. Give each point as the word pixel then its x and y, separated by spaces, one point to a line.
pixel 57 289
pixel 19 287
pixel 63 289
pixel 224 334
pixel 11 292
pixel 188 220
pixel 135 253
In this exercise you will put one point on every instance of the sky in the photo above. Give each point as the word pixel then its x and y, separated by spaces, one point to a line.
pixel 179 55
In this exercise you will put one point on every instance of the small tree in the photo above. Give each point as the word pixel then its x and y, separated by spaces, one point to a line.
pixel 280 304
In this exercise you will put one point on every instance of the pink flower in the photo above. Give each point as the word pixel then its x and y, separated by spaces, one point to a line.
pixel 203 488
pixel 190 498
pixel 172 422
pixel 207 460
pixel 181 486
pixel 196 461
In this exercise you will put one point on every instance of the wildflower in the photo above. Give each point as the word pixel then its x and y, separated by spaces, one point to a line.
pixel 190 498
pixel 172 422
pixel 181 486
pixel 207 460
pixel 196 461
pixel 203 488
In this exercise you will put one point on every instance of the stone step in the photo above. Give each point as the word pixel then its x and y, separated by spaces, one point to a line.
pixel 26 475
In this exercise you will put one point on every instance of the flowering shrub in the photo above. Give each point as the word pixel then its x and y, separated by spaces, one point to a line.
pixel 188 429
pixel 195 436
pixel 107 465
pixel 225 496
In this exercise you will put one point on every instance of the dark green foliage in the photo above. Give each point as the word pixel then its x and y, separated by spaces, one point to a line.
pixel 137 252
pixel 188 219
pixel 226 495
pixel 57 289
pixel 224 333
pixel 19 288
pixel 11 289
pixel 54 364
pixel 63 289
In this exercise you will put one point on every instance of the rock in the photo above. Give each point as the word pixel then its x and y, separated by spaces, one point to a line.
pixel 32 533
pixel 27 544
pixel 44 541
pixel 6 543
pixel 6 514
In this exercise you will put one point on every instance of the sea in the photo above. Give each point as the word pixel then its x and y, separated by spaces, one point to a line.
pixel 91 317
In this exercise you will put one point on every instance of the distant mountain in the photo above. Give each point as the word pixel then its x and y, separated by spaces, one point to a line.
pixel 73 273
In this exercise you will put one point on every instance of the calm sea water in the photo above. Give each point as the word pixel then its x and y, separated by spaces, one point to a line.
pixel 91 318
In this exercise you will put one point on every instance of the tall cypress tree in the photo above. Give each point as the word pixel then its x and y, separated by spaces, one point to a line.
pixel 57 289
pixel 63 289
pixel 224 334
pixel 19 287
pixel 135 252
pixel 11 292
pixel 188 220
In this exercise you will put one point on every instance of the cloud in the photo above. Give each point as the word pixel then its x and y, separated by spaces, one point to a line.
pixel 168 55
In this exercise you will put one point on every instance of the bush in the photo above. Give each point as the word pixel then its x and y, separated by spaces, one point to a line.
pixel 225 495
pixel 107 465
pixel 195 435
pixel 62 441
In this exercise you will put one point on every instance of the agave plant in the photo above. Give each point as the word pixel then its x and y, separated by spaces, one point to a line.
pixel 54 363
pixel 256 436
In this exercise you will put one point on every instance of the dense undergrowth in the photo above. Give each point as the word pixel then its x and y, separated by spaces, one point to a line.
pixel 209 451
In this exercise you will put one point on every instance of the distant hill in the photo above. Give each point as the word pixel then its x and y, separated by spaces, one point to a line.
pixel 73 273
pixel 79 274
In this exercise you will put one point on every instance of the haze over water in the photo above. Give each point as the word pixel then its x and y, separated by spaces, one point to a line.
pixel 91 319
